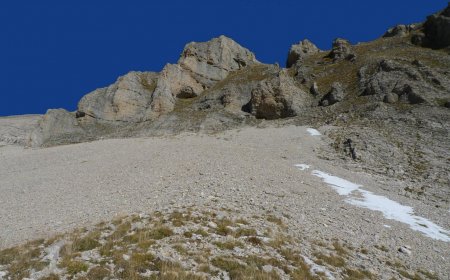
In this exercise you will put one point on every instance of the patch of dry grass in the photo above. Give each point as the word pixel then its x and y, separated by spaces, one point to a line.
pixel 85 244
pixel 276 220
pixel 340 250
pixel 98 273
pixel 131 245
pixel 174 271
pixel 180 248
pixel 332 260
pixel 245 232
pixel 229 244
pixel 160 232
pixel 74 267
pixel 22 259
pixel 358 274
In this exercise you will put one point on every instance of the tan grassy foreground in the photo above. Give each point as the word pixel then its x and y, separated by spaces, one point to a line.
pixel 184 244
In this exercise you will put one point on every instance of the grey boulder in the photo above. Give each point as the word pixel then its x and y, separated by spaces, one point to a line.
pixel 210 62
pixel 299 51
pixel 54 126
pixel 276 98
pixel 335 95
pixel 342 50
pixel 127 100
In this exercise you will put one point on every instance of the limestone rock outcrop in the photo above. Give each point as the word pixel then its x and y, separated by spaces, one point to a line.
pixel 141 96
pixel 299 51
pixel 400 30
pixel 55 125
pixel 210 62
pixel 276 98
pixel 172 82
pixel 145 96
pixel 342 50
pixel 127 100
pixel 200 66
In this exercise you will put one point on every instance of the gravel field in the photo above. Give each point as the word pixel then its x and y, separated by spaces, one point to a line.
pixel 251 170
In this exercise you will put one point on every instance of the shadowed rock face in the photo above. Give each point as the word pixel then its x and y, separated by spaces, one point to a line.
pixel 401 82
pixel 437 29
pixel 264 91
pixel 336 94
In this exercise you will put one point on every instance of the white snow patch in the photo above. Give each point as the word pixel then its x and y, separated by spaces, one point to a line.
pixel 387 226
pixel 343 187
pixel 315 268
pixel 313 132
pixel 391 210
pixel 302 166
pixel 2 274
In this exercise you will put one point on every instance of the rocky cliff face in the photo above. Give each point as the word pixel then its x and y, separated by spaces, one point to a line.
pixel 127 100
pixel 400 81
pixel 138 97
pixel 437 29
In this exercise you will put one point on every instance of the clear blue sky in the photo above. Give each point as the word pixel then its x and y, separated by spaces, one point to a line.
pixel 54 52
